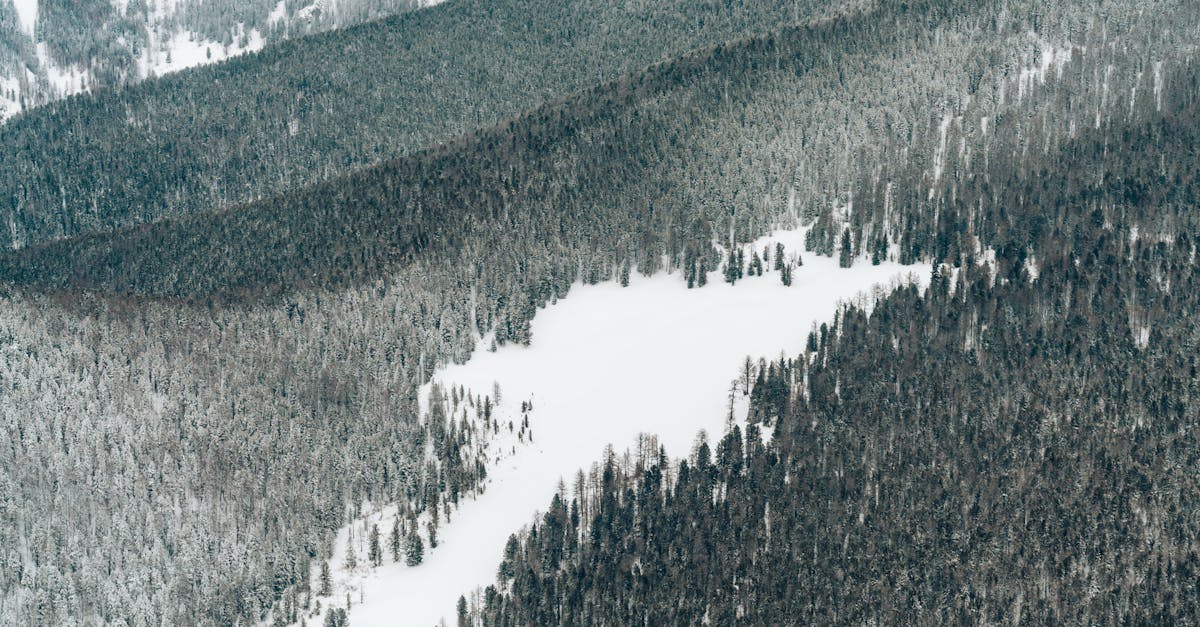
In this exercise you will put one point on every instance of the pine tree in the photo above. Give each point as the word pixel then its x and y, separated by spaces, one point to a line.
pixel 512 551
pixel 879 255
pixel 432 526
pixel 336 617
pixel 414 547
pixel 846 254
pixel 394 538
pixel 326 583
pixel 374 552
pixel 779 260
pixel 462 612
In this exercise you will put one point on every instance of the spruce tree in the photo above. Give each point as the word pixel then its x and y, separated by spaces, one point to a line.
pixel 351 557
pixel 394 539
pixel 512 552
pixel 463 620
pixel 374 551
pixel 326 583
pixel 846 253
pixel 414 547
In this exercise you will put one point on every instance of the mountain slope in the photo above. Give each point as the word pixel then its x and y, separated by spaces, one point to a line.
pixel 56 49
pixel 312 108
pixel 716 145
pixel 1013 445
pixel 168 460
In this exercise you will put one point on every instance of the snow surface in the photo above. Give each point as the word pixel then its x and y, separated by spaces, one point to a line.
pixel 605 364
pixel 27 11
pixel 185 49
pixel 1051 56
pixel 278 14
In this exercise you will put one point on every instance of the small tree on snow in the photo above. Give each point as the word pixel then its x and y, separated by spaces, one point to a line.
pixel 375 552
pixel 394 539
pixel 846 254
pixel 326 582
pixel 414 548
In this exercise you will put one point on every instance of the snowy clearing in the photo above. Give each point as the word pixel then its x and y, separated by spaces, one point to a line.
pixel 605 365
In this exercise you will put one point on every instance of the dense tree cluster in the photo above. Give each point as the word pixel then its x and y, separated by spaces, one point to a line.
pixel 664 162
pixel 304 110
pixel 95 44
pixel 1014 444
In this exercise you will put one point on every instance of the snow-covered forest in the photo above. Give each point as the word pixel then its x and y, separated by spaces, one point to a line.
pixel 531 312
pixel 50 49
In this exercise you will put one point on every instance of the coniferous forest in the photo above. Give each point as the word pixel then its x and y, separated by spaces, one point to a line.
pixel 223 290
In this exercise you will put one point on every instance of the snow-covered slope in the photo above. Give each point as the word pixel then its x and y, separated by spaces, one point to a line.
pixel 167 36
pixel 606 364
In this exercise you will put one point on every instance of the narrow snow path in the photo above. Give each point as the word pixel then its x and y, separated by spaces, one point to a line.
pixel 607 363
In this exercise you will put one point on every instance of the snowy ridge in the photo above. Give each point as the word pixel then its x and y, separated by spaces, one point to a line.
pixel 169 45
pixel 591 385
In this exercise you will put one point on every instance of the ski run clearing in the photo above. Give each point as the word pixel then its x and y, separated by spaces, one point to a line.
pixel 606 364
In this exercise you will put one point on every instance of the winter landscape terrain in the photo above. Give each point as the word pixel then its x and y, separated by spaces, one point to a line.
pixel 153 38
pixel 550 312
pixel 607 364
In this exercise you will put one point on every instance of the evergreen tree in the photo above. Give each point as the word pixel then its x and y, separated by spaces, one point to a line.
pixel 879 254
pixel 374 551
pixel 431 526
pixel 512 550
pixel 846 251
pixel 461 611
pixel 351 556
pixel 394 538
pixel 326 581
pixel 336 617
pixel 414 547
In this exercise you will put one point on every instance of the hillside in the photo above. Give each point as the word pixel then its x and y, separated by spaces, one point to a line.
pixel 50 50
pixel 1012 445
pixel 718 144
pixel 199 400
pixel 313 108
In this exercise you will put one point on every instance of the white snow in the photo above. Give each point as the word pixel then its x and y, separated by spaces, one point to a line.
pixel 1051 56
pixel 606 364
pixel 27 11
pixel 1158 85
pixel 185 49
pixel 278 14
pixel 939 158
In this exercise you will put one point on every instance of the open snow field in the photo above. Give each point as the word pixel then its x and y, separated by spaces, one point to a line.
pixel 606 364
